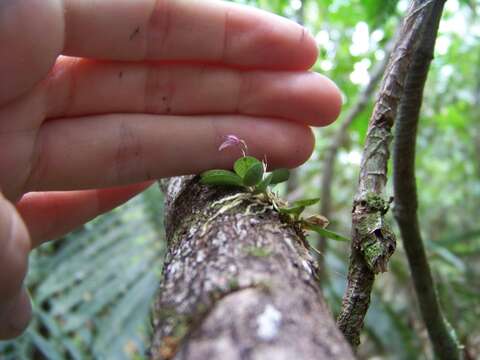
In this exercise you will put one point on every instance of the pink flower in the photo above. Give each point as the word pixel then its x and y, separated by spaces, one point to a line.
pixel 232 140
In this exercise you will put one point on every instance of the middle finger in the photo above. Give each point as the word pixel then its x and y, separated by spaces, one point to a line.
pixel 78 87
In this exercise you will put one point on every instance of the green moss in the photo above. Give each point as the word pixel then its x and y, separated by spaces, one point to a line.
pixel 187 223
pixel 373 252
pixel 180 329
pixel 378 248
pixel 180 326
pixel 368 223
pixel 167 313
pixel 233 285
pixel 375 202
pixel 258 251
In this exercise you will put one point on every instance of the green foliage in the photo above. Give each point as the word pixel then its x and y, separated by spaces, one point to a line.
pixel 249 173
pixel 379 11
pixel 221 177
pixel 314 223
pixel 325 233
pixel 110 271
pixel 447 163
pixel 279 176
pixel 298 207
pixel 295 211
pixel 92 290
pixel 243 164
pixel 254 175
pixel 263 185
pixel 306 202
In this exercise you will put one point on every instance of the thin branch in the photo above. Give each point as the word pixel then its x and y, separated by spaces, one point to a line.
pixel 339 140
pixel 341 135
pixel 372 241
pixel 445 345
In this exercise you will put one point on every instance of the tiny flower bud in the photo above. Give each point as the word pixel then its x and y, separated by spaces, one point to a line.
pixel 319 220
pixel 232 140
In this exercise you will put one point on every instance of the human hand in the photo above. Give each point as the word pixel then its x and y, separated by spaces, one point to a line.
pixel 145 89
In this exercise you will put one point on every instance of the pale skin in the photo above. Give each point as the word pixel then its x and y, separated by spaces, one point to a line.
pixel 99 97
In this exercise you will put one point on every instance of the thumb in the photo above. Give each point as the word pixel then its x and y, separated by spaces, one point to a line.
pixel 15 310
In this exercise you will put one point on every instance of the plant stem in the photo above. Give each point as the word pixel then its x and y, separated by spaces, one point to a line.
pixel 372 241
pixel 339 141
pixel 443 340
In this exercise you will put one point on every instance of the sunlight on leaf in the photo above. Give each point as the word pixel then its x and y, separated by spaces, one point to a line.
pixel 279 176
pixel 220 177
pixel 254 174
pixel 242 165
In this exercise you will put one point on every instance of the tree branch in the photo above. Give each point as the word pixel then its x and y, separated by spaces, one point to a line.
pixel 339 140
pixel 341 135
pixel 372 241
pixel 444 343
pixel 238 283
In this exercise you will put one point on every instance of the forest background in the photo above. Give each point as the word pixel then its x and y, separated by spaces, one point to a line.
pixel 92 290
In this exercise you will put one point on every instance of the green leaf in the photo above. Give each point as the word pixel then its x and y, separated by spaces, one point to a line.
pixel 262 187
pixel 326 233
pixel 306 202
pixel 279 176
pixel 242 165
pixel 294 210
pixel 254 174
pixel 220 177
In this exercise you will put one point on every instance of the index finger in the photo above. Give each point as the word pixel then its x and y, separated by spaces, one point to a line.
pixel 186 30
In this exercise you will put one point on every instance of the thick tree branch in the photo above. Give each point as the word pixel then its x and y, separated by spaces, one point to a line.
pixel 238 283
pixel 444 343
pixel 372 241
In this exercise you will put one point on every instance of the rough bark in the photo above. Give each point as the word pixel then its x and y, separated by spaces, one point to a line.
pixel 372 241
pixel 339 141
pixel 340 136
pixel 442 338
pixel 237 283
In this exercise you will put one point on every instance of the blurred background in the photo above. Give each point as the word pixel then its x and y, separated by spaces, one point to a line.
pixel 92 290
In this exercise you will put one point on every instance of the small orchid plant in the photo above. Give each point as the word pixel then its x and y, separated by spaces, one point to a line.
pixel 251 174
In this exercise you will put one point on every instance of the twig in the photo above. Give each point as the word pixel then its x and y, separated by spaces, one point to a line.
pixel 445 344
pixel 340 139
pixel 372 241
